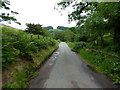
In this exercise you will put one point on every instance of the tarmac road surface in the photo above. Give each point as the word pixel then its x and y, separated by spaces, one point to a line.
pixel 66 69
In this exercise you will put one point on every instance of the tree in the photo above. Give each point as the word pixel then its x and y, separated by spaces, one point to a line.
pixel 48 27
pixel 4 5
pixel 35 29
pixel 62 27
pixel 59 35
pixel 97 18
pixel 112 15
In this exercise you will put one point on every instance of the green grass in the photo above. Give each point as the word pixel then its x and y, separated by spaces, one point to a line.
pixel 20 78
pixel 103 63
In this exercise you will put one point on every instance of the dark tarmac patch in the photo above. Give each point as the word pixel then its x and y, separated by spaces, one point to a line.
pixel 75 84
pixel 92 68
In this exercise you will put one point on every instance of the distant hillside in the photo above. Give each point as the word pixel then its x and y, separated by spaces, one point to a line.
pixel 54 30
pixel 48 27
pixel 62 28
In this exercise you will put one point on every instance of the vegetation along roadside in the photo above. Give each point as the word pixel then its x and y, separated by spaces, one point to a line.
pixel 103 63
pixel 23 53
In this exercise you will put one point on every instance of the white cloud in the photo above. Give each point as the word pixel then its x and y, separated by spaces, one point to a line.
pixel 39 11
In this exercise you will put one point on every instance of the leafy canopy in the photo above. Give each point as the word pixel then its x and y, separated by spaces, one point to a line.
pixel 96 18
pixel 35 29
pixel 4 6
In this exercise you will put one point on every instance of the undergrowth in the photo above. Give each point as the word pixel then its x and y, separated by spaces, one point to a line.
pixel 17 43
pixel 19 47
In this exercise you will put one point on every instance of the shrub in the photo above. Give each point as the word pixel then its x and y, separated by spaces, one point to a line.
pixel 79 45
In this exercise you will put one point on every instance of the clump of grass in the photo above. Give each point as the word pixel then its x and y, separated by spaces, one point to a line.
pixel 20 78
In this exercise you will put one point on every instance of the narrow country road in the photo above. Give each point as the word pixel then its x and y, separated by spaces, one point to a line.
pixel 65 69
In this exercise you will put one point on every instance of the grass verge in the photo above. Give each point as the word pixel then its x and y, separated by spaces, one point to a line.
pixel 19 73
pixel 105 64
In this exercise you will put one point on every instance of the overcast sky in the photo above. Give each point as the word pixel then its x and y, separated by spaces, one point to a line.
pixel 39 11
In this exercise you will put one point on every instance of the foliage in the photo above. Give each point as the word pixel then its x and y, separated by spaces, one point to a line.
pixel 21 79
pixel 62 27
pixel 4 4
pixel 96 20
pixel 16 43
pixel 103 63
pixel 106 64
pixel 79 45
pixel 54 30
pixel 66 35
pixel 48 27
pixel 21 74
pixel 35 29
